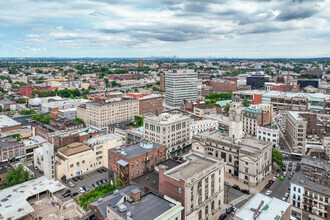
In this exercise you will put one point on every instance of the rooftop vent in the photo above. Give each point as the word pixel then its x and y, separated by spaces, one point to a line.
pixel 122 208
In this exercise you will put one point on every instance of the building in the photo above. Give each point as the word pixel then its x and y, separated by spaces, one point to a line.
pixel 4 166
pixel 26 90
pixel 151 104
pixel 33 143
pixel 131 202
pixel 248 160
pixel 207 110
pixel 77 135
pixel 198 184
pixel 199 126
pixel 202 91
pixel 309 194
pixel 82 112
pixel 140 63
pixel 8 124
pixel 269 133
pixel 70 113
pixel 254 96
pixel 263 207
pixel 55 127
pixel 171 128
pixel 162 82
pixel 102 144
pixel 295 131
pixel 7 104
pixel 180 85
pixel 18 199
pixel 103 114
pixel 62 105
pixel 11 149
pixel 220 86
pixel 74 160
pixel 44 159
pixel 135 160
pixel 257 81
pixel 256 115
pixel 190 105
pixel 308 82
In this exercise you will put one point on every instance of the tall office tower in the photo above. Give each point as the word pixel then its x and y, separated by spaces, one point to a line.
pixel 180 85
pixel 48 156
pixel 140 63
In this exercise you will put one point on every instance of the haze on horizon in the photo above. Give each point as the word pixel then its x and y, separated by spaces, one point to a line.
pixel 188 28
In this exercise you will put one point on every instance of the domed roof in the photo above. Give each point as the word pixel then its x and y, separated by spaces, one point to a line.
pixel 236 98
pixel 280 78
pixel 35 101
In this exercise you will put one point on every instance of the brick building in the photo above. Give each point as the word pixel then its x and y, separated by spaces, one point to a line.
pixel 187 105
pixel 8 124
pixel 151 104
pixel 198 184
pixel 135 160
pixel 26 90
pixel 162 82
pixel 4 166
pixel 218 86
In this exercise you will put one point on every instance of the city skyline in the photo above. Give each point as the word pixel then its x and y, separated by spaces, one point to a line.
pixel 100 28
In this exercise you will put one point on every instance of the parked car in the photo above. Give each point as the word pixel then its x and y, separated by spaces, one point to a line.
pixel 71 184
pixel 100 170
pixel 80 177
pixel 271 182
pixel 284 168
pixel 290 168
pixel 236 187
pixel 41 172
pixel 75 179
pixel 74 194
pixel 86 188
pixel 229 210
pixel 35 167
pixel 227 183
pixel 104 169
pixel 246 191
pixel 222 217
pixel 267 186
pixel 282 178
pixel 95 185
pixel 284 199
pixel 67 195
pixel 81 190
pixel 286 195
pixel 99 183
pixel 284 173
pixel 274 178
pixel 65 192
pixel 268 192
pixel 104 181
pixel 290 177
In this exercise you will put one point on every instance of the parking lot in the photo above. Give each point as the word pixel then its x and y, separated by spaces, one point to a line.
pixel 88 180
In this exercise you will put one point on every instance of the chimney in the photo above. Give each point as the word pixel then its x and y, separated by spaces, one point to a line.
pixel 135 194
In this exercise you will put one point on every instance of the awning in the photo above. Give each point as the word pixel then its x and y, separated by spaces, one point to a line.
pixel 122 163
pixel 222 128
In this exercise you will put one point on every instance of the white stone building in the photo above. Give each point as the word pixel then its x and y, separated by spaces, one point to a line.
pixel 269 133
pixel 198 126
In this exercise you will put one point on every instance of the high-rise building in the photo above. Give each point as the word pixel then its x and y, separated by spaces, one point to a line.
pixel 162 82
pixel 180 85
pixel 295 131
pixel 171 128
pixel 140 63
pixel 48 156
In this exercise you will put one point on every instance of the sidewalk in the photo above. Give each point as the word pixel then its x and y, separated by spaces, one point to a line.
pixel 253 190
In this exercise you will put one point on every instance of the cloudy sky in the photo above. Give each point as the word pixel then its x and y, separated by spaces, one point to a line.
pixel 184 28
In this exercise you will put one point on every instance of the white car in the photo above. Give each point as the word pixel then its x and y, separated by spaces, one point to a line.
pixel 81 190
pixel 284 199
pixel 268 192
pixel 71 184
pixel 286 195
pixel 274 178
pixel 227 183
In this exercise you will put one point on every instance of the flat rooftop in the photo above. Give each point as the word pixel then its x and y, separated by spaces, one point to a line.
pixel 102 138
pixel 137 149
pixel 195 164
pixel 9 142
pixel 14 204
pixel 271 208
pixel 296 115
pixel 5 121
pixel 4 166
pixel 304 180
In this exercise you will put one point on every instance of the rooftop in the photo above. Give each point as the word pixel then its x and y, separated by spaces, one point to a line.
pixel 5 121
pixel 135 150
pixel 195 164
pixel 296 115
pixel 34 140
pixel 152 96
pixel 168 116
pixel 102 138
pixel 271 208
pixel 9 142
pixel 14 204
pixel 4 166
pixel 301 179
pixel 74 148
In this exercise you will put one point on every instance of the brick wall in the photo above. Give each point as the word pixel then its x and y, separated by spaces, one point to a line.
pixel 152 105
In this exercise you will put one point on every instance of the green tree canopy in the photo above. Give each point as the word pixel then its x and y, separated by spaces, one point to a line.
pixel 246 102
pixel 17 175
pixel 79 120
pixel 277 157
pixel 226 108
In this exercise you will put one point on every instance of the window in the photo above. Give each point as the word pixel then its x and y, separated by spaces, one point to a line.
pixel 179 190
pixel 294 203
pixel 299 190
pixel 298 198
pixel 298 204
pixel 294 196
pixel 71 165
pixel 83 161
pixel 212 205
pixel 200 214
pixel 132 164
pixel 294 188
pixel 137 162
pixel 207 210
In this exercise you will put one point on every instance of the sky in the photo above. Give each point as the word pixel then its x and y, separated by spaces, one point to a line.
pixel 182 28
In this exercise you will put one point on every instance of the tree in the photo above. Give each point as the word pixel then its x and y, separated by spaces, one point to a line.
pixel 28 112
pixel 277 157
pixel 246 102
pixel 21 100
pixel 71 96
pixel 136 90
pixel 226 108
pixel 1 108
pixel 85 97
pixel 79 120
pixel 17 175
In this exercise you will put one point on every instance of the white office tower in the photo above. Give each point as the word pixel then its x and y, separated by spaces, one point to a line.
pixel 48 163
pixel 180 85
